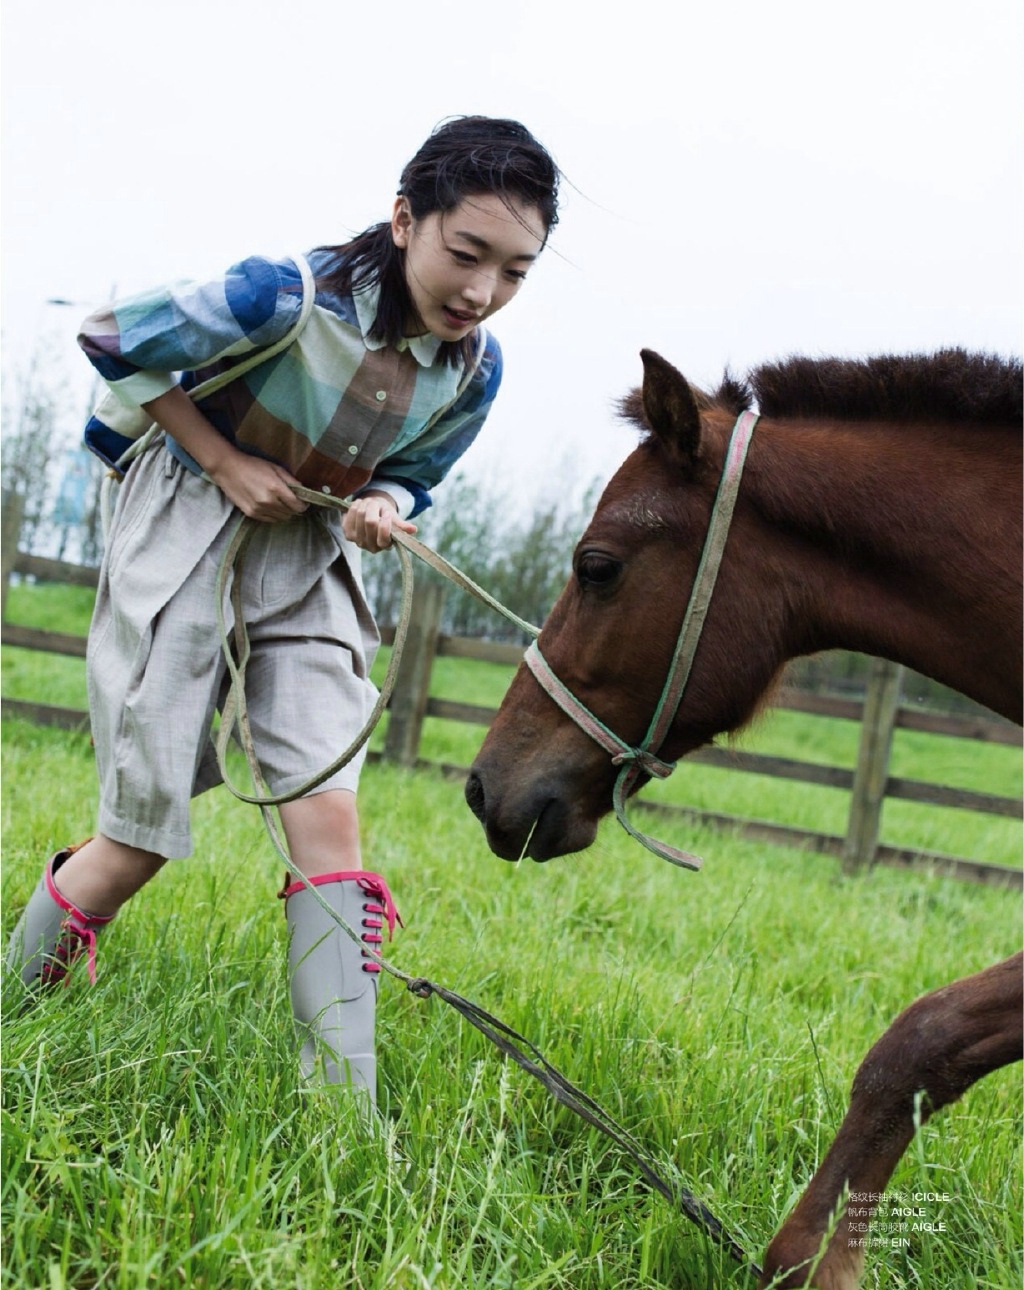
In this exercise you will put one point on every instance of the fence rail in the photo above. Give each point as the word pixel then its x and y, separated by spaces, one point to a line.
pixel 869 783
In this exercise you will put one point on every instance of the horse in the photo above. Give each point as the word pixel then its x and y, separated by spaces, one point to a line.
pixel 879 510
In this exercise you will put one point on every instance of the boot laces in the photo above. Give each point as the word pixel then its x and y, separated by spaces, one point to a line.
pixel 77 936
pixel 78 929
pixel 378 909
pixel 374 885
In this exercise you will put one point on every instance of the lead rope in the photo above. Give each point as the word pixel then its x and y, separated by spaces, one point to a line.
pixel 235 712
pixel 508 1041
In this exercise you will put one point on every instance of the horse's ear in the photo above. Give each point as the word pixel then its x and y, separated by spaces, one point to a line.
pixel 670 407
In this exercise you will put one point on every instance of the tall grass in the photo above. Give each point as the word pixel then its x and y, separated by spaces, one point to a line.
pixel 155 1132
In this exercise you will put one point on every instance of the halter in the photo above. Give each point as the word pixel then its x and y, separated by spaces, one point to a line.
pixel 644 759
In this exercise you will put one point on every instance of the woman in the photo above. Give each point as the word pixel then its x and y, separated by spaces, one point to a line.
pixel 385 387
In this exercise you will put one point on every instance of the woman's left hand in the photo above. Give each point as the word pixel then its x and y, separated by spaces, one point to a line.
pixel 371 519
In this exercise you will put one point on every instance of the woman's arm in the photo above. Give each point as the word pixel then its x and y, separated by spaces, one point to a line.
pixel 259 488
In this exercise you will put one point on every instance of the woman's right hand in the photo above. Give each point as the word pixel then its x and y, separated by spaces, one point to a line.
pixel 260 489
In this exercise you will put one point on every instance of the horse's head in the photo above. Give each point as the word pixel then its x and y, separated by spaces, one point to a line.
pixel 540 784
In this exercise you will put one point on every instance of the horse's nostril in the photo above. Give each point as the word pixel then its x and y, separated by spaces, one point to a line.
pixel 475 795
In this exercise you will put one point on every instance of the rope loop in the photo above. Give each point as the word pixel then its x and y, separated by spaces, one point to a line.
pixel 646 761
pixel 420 986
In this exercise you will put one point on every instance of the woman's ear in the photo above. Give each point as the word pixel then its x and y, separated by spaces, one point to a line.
pixel 401 222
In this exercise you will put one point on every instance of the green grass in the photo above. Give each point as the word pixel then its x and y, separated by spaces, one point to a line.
pixel 154 1132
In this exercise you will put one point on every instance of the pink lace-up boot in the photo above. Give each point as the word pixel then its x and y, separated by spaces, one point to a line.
pixel 333 978
pixel 52 932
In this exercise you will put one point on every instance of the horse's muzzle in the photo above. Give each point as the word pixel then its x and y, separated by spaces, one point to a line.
pixel 535 823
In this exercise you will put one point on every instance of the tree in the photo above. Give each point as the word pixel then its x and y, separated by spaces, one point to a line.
pixel 41 460
pixel 31 444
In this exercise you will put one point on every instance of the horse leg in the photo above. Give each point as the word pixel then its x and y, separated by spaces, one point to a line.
pixel 939 1046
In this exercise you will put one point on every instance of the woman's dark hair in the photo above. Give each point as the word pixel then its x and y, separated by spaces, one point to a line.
pixel 465 156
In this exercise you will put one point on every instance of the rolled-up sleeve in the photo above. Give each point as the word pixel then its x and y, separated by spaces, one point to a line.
pixel 139 344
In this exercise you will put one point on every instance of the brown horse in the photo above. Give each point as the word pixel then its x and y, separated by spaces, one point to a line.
pixel 879 511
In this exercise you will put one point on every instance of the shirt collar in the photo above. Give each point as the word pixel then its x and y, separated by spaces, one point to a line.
pixel 423 348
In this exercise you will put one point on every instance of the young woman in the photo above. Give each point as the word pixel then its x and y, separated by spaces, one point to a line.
pixel 387 384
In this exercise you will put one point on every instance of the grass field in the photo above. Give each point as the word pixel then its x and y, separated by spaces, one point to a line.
pixel 155 1133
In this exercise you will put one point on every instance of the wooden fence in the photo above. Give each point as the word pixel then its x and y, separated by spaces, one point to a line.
pixel 869 784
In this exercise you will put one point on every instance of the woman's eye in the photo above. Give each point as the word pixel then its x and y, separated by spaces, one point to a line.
pixel 597 570
pixel 463 257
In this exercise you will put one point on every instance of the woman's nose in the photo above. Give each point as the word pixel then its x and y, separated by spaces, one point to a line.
pixel 479 290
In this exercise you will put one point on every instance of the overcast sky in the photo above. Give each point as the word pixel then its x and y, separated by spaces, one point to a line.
pixel 744 180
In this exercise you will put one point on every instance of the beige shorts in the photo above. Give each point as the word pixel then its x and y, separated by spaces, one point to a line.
pixel 155 666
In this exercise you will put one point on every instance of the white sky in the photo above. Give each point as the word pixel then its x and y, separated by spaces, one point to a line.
pixel 747 179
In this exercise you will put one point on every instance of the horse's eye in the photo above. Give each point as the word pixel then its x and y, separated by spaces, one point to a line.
pixel 594 570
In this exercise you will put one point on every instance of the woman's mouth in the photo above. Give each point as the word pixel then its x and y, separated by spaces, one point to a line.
pixel 459 318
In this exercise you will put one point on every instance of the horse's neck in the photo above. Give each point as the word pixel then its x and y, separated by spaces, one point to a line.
pixel 912 542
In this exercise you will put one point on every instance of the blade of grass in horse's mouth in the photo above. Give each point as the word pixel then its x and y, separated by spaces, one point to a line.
pixel 529 839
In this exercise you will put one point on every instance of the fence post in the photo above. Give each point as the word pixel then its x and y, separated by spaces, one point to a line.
pixel 412 685
pixel 881 704
pixel 13 509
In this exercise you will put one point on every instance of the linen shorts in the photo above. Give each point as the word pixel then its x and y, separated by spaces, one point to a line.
pixel 155 666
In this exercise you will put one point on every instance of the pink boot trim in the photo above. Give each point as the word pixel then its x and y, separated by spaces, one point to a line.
pixel 383 906
pixel 78 933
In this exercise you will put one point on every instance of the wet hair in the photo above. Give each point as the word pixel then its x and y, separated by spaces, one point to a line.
pixel 464 156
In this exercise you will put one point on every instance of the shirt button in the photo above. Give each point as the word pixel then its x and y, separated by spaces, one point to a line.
pixel 381 395
pixel 353 449
pixel 325 488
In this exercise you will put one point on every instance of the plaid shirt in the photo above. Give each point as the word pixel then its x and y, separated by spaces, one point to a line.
pixel 341 411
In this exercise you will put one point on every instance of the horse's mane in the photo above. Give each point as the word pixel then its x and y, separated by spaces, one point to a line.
pixel 950 385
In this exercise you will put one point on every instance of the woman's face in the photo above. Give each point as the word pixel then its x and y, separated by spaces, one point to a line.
pixel 463 265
